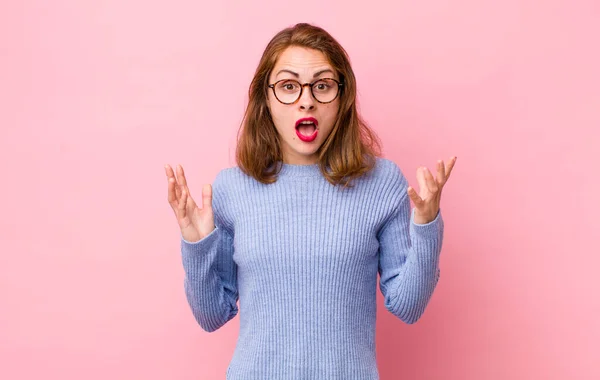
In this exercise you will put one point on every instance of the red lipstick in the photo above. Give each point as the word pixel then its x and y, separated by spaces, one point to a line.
pixel 303 127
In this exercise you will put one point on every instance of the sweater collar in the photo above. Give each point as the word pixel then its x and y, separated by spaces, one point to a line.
pixel 297 170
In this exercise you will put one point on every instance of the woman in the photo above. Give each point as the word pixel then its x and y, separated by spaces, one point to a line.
pixel 300 228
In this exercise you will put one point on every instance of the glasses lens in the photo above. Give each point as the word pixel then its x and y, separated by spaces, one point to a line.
pixel 324 90
pixel 287 91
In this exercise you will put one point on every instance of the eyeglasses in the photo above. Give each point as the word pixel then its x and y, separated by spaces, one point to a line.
pixel 288 91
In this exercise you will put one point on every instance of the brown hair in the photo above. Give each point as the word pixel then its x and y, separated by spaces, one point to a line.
pixel 350 149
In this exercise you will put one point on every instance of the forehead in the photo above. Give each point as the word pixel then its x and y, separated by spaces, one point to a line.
pixel 302 60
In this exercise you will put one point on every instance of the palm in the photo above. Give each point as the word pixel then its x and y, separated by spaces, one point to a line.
pixel 200 220
pixel 427 201
pixel 195 223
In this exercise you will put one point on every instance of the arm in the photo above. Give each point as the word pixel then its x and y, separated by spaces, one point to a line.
pixel 210 273
pixel 408 258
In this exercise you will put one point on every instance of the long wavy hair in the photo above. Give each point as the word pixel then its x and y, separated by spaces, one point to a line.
pixel 350 149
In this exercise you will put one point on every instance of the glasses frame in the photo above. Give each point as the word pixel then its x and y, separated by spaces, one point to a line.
pixel 339 86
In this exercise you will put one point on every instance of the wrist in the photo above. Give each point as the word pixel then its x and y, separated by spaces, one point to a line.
pixel 421 218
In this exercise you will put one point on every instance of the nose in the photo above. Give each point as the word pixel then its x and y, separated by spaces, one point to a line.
pixel 306 100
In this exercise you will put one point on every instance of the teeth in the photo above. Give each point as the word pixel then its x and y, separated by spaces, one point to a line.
pixel 307 122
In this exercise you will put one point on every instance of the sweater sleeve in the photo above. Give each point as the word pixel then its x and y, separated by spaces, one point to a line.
pixel 408 256
pixel 210 280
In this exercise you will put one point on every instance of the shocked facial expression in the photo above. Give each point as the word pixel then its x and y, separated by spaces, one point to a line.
pixel 303 123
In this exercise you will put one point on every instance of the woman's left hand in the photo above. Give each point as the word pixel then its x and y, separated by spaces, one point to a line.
pixel 427 202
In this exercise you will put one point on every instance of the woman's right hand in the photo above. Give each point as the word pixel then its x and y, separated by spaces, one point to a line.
pixel 195 223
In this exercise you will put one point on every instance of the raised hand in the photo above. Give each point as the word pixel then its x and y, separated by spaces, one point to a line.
pixel 195 223
pixel 427 202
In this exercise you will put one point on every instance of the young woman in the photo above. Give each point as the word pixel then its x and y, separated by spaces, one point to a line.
pixel 300 228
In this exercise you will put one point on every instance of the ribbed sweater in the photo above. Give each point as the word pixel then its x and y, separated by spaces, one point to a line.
pixel 302 257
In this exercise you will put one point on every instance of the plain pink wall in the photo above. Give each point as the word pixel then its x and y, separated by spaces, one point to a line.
pixel 97 96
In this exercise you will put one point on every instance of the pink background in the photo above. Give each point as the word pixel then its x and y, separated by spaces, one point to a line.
pixel 97 96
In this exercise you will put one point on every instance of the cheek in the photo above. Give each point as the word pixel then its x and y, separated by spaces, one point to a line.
pixel 271 106
pixel 331 113
pixel 278 113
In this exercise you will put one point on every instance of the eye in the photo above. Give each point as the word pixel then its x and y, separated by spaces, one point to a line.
pixel 288 86
pixel 323 85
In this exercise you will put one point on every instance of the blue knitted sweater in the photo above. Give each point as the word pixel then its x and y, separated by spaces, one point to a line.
pixel 302 257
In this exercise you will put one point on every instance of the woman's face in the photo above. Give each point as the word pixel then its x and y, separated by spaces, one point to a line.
pixel 298 141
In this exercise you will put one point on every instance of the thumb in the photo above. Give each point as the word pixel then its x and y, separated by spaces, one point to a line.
pixel 207 196
pixel 414 196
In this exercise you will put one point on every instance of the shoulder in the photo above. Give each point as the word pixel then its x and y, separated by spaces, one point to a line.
pixel 228 177
pixel 385 187
pixel 389 173
pixel 228 182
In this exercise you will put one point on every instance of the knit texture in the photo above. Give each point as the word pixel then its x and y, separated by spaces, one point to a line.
pixel 302 257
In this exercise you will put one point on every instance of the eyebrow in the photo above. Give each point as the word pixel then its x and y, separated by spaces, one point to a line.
pixel 297 75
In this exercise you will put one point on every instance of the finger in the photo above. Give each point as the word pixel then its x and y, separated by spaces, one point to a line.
pixel 181 176
pixel 171 195
pixel 430 181
pixel 450 166
pixel 207 196
pixel 169 171
pixel 191 204
pixel 421 179
pixel 441 172
pixel 415 197
pixel 177 190
pixel 182 203
pixel 182 179
pixel 175 187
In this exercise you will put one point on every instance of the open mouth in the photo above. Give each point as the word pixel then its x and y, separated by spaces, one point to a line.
pixel 306 128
